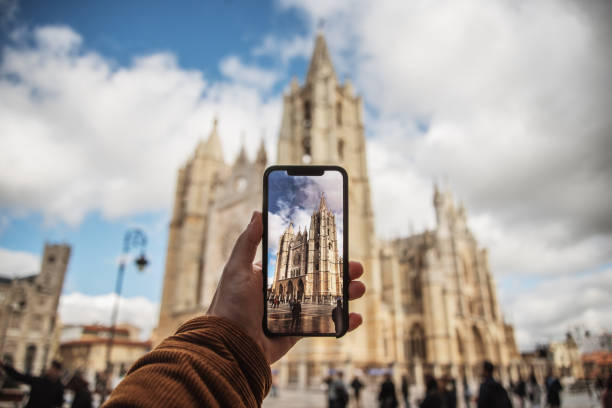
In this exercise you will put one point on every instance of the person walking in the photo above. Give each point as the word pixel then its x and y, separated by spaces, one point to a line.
pixel 338 394
pixel 406 391
pixel 449 392
pixel 521 391
pixel 357 385
pixel 534 394
pixel 82 396
pixel 606 396
pixel 553 390
pixel 467 393
pixel 46 391
pixel 386 396
pixel 337 316
pixel 492 394
pixel 432 399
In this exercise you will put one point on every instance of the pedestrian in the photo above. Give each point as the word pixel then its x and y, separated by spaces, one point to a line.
pixel 46 391
pixel 80 387
pixel 296 311
pixel 386 396
pixel 338 394
pixel 357 385
pixel 449 392
pixel 491 393
pixel 222 358
pixel 432 399
pixel 606 396
pixel 553 390
pixel 599 385
pixel 338 316
pixel 521 391
pixel 406 391
pixel 534 393
pixel 467 393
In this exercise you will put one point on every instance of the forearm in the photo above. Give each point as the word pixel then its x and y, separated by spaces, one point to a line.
pixel 16 375
pixel 208 362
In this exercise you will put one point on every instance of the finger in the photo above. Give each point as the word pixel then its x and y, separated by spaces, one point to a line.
pixel 356 290
pixel 355 321
pixel 355 270
pixel 246 245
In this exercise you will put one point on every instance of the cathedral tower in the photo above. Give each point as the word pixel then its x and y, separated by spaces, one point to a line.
pixel 322 123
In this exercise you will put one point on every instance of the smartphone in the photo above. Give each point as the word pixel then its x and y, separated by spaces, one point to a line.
pixel 305 251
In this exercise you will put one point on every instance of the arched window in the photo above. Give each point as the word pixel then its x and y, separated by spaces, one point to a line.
pixel 307 113
pixel 30 354
pixel 417 342
pixel 339 113
pixel 341 149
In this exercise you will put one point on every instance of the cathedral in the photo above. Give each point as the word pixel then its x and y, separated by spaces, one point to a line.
pixel 308 267
pixel 431 304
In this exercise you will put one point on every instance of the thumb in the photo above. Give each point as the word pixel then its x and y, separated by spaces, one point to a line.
pixel 246 245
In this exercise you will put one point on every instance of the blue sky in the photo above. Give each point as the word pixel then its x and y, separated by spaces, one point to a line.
pixel 292 200
pixel 199 34
pixel 101 102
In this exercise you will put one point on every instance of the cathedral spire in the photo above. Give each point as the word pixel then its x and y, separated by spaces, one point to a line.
pixel 262 156
pixel 323 202
pixel 242 156
pixel 212 147
pixel 320 64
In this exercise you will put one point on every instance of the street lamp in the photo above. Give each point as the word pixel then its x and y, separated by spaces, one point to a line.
pixel 133 238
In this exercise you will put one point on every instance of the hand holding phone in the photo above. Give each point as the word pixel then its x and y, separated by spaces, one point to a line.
pixel 305 245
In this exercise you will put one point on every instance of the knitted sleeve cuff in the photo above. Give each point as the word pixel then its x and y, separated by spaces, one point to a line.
pixel 245 351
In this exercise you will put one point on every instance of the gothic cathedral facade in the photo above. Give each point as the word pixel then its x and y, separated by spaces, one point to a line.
pixel 308 267
pixel 431 303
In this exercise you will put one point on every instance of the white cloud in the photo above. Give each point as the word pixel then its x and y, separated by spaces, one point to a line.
pixel 16 264
pixel 546 311
pixel 286 50
pixel 78 308
pixel 233 68
pixel 81 134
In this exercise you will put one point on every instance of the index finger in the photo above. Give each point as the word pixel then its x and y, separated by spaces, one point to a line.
pixel 355 270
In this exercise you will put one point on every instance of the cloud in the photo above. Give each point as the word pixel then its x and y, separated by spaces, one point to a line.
pixel 17 264
pixel 286 50
pixel 506 103
pixel 547 310
pixel 233 68
pixel 82 134
pixel 78 308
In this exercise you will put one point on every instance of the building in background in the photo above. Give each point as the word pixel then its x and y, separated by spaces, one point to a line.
pixel 84 348
pixel 431 303
pixel 28 314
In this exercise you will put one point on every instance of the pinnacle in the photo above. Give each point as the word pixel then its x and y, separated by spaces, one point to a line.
pixel 320 63
pixel 212 147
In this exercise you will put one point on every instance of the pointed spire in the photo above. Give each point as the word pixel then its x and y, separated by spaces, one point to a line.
pixel 320 63
pixel 290 228
pixel 262 156
pixel 212 147
pixel 322 203
pixel 242 156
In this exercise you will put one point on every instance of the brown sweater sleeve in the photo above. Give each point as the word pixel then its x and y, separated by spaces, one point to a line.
pixel 209 362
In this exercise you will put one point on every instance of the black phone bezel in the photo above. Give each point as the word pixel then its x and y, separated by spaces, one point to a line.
pixel 306 171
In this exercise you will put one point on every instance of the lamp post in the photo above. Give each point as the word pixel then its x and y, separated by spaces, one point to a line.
pixel 133 238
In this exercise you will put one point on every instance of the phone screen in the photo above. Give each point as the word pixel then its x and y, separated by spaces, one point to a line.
pixel 305 220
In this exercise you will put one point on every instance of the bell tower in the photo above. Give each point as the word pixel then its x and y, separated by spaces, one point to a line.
pixel 322 123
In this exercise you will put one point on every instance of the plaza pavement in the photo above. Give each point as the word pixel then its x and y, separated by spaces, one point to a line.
pixel 314 398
